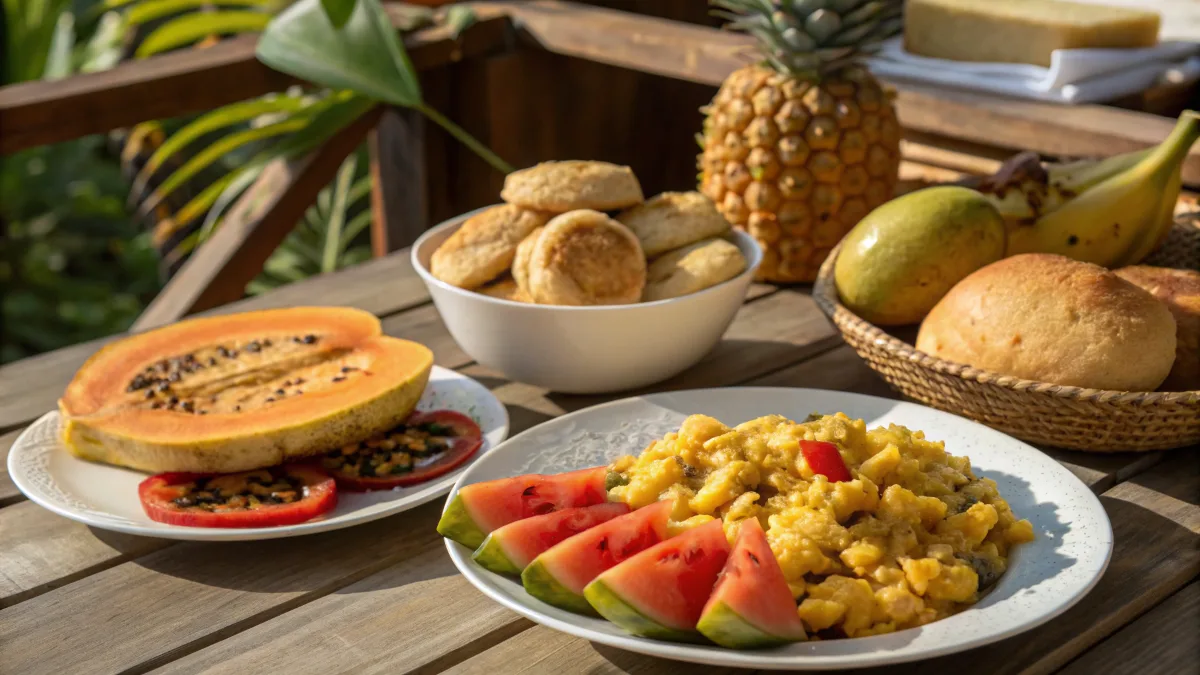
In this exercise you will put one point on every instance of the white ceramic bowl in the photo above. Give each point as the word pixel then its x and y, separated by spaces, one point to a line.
pixel 585 350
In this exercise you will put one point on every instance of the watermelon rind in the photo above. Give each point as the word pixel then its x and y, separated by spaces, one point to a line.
pixel 724 626
pixel 541 584
pixel 614 608
pixel 490 556
pixel 457 524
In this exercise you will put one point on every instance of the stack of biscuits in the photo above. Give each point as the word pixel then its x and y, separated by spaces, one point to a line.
pixel 580 233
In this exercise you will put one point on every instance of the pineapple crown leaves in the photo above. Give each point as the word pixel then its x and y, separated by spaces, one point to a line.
pixel 814 37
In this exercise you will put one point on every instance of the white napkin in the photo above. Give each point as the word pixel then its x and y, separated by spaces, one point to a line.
pixel 1074 75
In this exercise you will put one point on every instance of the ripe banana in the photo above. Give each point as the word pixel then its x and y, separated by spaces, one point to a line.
pixel 1111 212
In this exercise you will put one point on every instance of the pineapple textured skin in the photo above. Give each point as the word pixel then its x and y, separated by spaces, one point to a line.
pixel 797 162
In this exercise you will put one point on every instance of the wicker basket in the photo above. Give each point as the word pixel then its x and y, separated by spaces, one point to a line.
pixel 1049 414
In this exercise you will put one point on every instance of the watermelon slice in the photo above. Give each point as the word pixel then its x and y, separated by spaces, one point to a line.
pixel 661 592
pixel 479 508
pixel 751 605
pixel 509 549
pixel 557 577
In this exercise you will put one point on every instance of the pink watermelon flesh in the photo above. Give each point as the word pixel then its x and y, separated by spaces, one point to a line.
pixel 753 587
pixel 526 539
pixel 579 559
pixel 480 508
pixel 669 583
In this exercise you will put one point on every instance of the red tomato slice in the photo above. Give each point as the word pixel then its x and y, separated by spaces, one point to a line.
pixel 824 458
pixel 280 495
pixel 457 432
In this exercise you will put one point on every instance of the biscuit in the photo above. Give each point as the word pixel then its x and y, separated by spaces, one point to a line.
pixel 484 247
pixel 672 220
pixel 506 289
pixel 573 184
pixel 692 268
pixel 520 266
pixel 586 258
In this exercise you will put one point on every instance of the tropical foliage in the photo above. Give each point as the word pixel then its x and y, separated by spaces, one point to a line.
pixel 84 245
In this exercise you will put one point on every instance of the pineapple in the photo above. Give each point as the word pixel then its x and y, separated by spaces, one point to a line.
pixel 800 147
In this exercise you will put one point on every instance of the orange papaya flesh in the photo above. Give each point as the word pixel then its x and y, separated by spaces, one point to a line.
pixel 243 391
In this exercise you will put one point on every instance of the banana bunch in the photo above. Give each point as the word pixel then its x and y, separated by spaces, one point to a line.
pixel 1111 212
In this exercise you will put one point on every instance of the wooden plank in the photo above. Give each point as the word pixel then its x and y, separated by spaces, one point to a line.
pixel 188 81
pixel 218 271
pixel 185 597
pixel 1165 639
pixel 9 494
pixel 399 183
pixel 705 55
pixel 29 388
pixel 1169 490
pixel 330 635
pixel 40 551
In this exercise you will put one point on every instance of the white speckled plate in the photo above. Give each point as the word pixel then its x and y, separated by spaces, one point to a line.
pixel 105 496
pixel 1045 577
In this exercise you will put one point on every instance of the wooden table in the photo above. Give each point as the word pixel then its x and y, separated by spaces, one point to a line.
pixel 384 597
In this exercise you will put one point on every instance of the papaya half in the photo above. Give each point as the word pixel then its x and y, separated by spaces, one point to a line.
pixel 243 391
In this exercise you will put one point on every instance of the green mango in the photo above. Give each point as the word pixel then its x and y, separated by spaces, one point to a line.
pixel 901 258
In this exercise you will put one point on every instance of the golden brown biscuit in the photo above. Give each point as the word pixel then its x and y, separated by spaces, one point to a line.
pixel 506 289
pixel 1179 290
pixel 586 258
pixel 692 268
pixel 570 185
pixel 672 220
pixel 520 266
pixel 484 247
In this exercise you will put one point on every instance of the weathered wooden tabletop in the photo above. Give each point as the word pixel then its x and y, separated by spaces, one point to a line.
pixel 384 597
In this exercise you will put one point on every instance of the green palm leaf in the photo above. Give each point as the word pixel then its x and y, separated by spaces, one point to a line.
pixel 221 117
pixel 189 28
pixel 149 10
pixel 337 216
pixel 354 228
pixel 364 55
pixel 212 153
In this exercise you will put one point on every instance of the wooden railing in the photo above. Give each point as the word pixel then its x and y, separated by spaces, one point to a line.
pixel 170 85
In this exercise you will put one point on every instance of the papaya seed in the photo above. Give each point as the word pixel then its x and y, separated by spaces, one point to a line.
pixel 310 339
pixel 253 347
pixel 212 361
pixel 270 399
pixel 339 378
pixel 280 392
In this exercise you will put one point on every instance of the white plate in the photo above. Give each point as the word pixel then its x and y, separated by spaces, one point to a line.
pixel 105 496
pixel 1045 577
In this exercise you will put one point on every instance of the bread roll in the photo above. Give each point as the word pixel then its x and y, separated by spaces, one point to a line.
pixel 1179 290
pixel 1052 319
pixel 583 257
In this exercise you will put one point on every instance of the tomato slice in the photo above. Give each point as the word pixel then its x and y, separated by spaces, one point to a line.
pixel 823 458
pixel 427 445
pixel 280 495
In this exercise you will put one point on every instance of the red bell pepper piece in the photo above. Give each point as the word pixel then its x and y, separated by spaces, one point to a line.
pixel 824 458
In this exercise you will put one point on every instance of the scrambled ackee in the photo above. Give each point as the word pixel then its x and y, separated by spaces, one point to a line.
pixel 913 537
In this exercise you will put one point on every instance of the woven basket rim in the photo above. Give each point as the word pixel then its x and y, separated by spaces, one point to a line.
pixel 826 296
